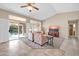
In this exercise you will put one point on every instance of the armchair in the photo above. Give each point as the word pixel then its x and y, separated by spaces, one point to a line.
pixel 39 38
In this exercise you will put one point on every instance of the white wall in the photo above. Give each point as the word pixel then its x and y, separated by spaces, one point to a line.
pixel 61 20
pixel 4 34
pixel 78 29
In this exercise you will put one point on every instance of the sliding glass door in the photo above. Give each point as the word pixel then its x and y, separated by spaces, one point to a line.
pixel 16 31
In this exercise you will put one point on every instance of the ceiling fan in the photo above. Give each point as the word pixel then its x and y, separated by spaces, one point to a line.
pixel 30 6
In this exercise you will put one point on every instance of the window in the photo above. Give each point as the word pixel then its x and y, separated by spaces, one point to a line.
pixel 36 25
pixel 16 18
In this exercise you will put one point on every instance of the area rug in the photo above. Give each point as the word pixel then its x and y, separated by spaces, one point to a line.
pixel 35 45
pixel 56 42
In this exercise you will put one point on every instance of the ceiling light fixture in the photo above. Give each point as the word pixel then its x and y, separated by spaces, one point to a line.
pixel 30 6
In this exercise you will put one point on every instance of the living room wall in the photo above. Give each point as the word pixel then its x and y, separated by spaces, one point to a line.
pixel 4 34
pixel 61 20
pixel 4 23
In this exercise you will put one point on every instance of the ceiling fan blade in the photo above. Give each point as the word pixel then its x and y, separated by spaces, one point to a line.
pixel 23 6
pixel 35 7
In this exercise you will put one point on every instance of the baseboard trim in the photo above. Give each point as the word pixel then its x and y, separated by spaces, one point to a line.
pixel 7 41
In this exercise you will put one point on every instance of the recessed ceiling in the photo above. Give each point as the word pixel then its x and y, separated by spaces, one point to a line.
pixel 46 10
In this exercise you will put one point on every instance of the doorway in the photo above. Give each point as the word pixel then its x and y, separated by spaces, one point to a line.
pixel 16 30
pixel 72 29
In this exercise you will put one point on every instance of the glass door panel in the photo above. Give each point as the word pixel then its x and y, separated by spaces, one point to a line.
pixel 13 31
pixel 16 31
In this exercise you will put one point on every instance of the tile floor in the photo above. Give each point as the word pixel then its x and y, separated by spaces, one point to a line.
pixel 69 47
pixel 19 48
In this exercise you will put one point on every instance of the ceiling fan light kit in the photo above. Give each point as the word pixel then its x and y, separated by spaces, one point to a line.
pixel 30 6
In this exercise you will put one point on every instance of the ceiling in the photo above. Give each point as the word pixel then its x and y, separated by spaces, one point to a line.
pixel 46 10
